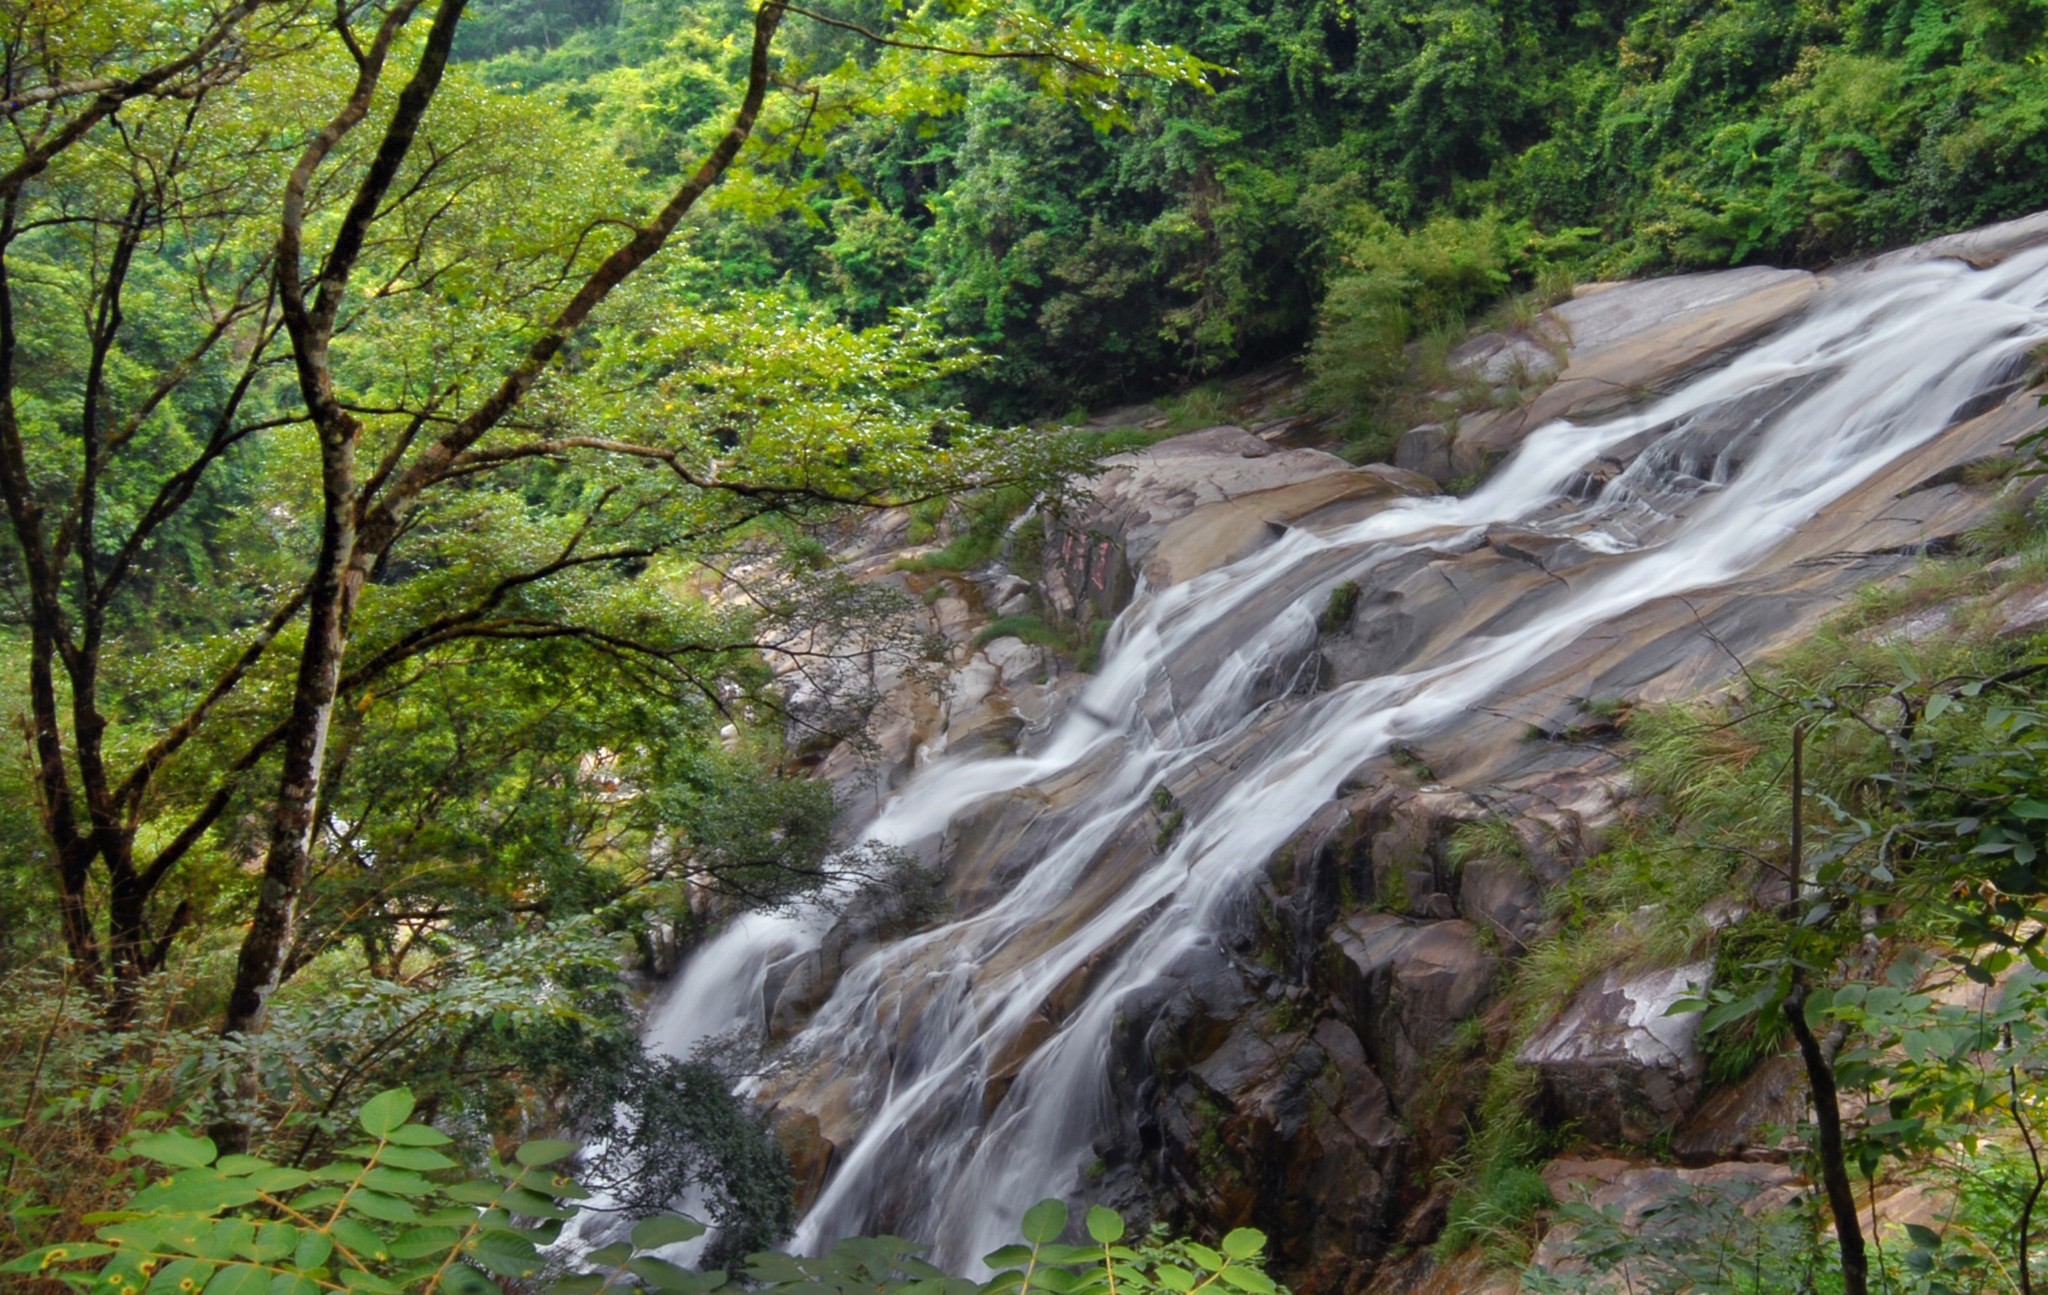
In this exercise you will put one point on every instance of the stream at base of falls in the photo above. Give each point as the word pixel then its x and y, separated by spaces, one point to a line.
pixel 966 1096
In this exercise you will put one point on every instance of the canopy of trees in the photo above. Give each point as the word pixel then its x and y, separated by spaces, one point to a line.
pixel 1623 136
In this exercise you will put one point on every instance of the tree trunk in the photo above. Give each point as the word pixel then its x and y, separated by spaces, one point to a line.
pixel 1834 1165
pixel 337 582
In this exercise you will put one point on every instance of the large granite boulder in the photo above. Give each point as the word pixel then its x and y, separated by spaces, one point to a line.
pixel 1616 1061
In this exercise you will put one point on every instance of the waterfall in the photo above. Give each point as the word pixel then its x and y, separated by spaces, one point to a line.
pixel 972 1056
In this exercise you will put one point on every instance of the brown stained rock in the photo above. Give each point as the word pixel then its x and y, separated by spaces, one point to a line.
pixel 955 618
pixel 1016 662
pixel 1549 554
pixel 809 1152
pixel 1496 358
pixel 1982 248
pixel 1484 439
pixel 1503 896
pixel 1601 315
pixel 1408 483
pixel 1749 1119
pixel 1615 1062
pixel 1640 337
pixel 1420 1274
pixel 1913 1205
pixel 1222 532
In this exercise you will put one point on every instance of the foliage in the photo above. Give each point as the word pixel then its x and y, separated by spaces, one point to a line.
pixel 1214 232
pixel 1709 1243
pixel 398 1214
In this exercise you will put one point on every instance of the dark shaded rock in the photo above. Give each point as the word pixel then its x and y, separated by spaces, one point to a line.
pixel 1748 1119
pixel 1425 450
pixel 1404 985
pixel 1503 896
pixel 1289 1131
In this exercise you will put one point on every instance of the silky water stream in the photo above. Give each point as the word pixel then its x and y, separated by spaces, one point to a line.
pixel 1199 690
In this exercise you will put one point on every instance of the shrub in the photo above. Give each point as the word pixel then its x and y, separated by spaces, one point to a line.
pixel 395 1217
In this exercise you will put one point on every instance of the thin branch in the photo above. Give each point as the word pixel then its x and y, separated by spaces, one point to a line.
pixel 1025 55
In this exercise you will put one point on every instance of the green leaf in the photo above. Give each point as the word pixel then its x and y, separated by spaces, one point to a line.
pixel 233 1165
pixel 177 1149
pixel 1250 1280
pixel 357 1280
pixel 423 1159
pixel 383 1114
pixel 1044 1221
pixel 477 1191
pixel 1175 1278
pixel 1244 1243
pixel 385 1209
pixel 1105 1224
pixel 545 1151
pixel 293 1284
pixel 418 1135
pixel 1204 1256
pixel 240 1279
pixel 533 1205
pixel 506 1260
pixel 578 1284
pixel 40 1260
pixel 610 1256
pixel 397 1182
pixel 665 1230
pixel 1008 1257
pixel 180 1277
pixel 2030 808
pixel 464 1280
pixel 272 1241
pixel 662 1275
pixel 278 1179
pixel 421 1242
pixel 361 1240
pixel 314 1247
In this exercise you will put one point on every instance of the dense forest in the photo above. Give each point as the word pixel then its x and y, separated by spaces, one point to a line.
pixel 428 430
pixel 1352 159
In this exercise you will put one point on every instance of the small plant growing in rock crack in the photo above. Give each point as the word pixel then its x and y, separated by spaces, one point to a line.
pixel 1341 607
pixel 1171 817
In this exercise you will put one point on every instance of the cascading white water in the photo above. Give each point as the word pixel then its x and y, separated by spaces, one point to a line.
pixel 1875 367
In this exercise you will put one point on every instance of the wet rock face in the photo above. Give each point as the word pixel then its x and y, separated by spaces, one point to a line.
pixel 1616 1062
pixel 1295 1078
